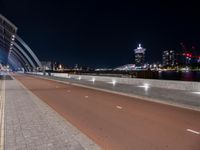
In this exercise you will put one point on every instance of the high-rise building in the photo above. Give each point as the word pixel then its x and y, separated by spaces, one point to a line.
pixel 139 56
pixel 168 58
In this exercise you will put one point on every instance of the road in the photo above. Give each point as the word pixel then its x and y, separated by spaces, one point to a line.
pixel 118 122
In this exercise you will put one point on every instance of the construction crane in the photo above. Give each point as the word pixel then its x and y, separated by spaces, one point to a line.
pixel 186 52
pixel 183 47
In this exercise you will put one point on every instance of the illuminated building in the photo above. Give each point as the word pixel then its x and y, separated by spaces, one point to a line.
pixel 168 58
pixel 139 56
pixel 47 65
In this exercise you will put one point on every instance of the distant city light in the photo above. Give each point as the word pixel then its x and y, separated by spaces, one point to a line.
pixel 140 49
pixel 139 56
pixel 60 66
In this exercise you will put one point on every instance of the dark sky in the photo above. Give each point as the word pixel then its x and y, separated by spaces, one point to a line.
pixel 103 33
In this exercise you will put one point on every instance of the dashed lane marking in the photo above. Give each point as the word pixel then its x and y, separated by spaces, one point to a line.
pixel 86 96
pixel 193 131
pixel 118 107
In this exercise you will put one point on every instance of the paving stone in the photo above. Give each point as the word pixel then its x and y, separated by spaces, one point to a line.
pixel 30 124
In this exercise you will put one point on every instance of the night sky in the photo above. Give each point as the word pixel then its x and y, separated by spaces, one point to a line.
pixel 103 33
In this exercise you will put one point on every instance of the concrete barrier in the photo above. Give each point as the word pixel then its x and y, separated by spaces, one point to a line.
pixel 36 73
pixel 169 84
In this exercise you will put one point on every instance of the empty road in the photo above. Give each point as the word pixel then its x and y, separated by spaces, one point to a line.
pixel 118 122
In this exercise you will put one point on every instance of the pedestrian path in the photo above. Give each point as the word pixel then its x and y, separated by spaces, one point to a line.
pixel 32 124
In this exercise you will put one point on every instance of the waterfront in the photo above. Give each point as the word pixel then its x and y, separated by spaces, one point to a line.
pixel 145 74
pixel 183 76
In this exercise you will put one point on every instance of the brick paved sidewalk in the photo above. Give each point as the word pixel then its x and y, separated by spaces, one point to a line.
pixel 32 124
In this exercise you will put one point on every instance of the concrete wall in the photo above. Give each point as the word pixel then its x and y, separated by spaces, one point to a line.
pixel 179 85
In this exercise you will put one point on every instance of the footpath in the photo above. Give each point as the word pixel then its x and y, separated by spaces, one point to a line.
pixel 30 124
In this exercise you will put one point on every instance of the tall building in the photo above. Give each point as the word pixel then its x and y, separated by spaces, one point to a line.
pixel 139 55
pixel 168 58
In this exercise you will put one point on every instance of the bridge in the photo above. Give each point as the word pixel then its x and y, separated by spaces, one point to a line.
pixel 14 50
pixel 66 111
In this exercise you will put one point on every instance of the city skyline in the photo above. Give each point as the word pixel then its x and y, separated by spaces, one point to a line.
pixel 103 34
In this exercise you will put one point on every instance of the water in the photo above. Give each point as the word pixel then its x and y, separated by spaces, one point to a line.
pixel 183 76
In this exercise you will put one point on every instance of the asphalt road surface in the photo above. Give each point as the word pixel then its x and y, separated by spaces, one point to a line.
pixel 118 122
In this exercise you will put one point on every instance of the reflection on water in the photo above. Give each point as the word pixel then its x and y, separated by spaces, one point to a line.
pixel 184 76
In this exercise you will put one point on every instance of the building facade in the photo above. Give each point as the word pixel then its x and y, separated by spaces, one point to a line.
pixel 168 58
pixel 139 56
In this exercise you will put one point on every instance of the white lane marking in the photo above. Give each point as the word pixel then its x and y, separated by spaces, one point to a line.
pixel 118 107
pixel 68 91
pixel 86 96
pixel 193 131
